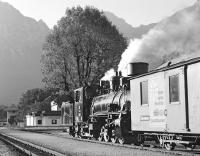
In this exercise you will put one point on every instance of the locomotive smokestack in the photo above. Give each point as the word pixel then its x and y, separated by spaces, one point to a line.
pixel 116 73
pixel 137 68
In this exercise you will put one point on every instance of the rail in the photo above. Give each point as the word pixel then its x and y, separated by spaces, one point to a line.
pixel 28 148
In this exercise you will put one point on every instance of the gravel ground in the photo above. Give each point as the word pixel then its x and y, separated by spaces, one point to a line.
pixel 78 148
pixel 6 150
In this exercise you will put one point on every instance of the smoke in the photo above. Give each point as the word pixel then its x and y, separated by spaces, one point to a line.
pixel 174 37
pixel 108 74
pixel 131 52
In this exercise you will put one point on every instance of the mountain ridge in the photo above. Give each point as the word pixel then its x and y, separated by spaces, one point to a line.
pixel 126 29
pixel 20 49
pixel 21 44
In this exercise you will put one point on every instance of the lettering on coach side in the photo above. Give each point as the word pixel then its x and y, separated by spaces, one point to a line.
pixel 144 118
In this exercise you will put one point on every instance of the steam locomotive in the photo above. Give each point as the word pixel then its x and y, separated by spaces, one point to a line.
pixel 161 105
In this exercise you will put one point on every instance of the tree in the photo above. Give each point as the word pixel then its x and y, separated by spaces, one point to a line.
pixel 80 49
pixel 3 113
pixel 12 120
pixel 34 100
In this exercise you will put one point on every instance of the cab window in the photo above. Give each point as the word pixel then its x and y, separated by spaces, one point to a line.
pixel 77 96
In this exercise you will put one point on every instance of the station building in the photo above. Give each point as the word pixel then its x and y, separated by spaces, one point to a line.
pixel 11 115
pixel 52 118
pixel 3 122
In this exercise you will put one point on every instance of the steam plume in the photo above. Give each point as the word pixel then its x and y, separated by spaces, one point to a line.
pixel 176 36
pixel 108 74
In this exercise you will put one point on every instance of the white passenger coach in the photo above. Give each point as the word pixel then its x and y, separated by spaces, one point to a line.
pixel 167 101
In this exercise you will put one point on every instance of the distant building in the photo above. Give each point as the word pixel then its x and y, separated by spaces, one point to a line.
pixel 3 122
pixel 52 118
pixel 20 123
pixel 54 106
pixel 11 115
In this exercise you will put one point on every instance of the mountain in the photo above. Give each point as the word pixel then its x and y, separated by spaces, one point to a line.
pixel 126 29
pixel 21 40
pixel 21 43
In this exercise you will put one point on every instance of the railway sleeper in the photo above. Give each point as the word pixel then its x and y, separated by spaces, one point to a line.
pixel 27 148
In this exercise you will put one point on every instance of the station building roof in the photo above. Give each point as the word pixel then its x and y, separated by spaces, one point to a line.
pixel 3 120
pixel 51 113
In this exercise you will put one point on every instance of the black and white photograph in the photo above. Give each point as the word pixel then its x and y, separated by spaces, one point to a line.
pixel 99 77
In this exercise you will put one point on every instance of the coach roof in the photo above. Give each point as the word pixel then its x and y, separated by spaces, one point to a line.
pixel 174 63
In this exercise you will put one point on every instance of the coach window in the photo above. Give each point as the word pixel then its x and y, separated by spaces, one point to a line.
pixel 144 92
pixel 174 88
pixel 54 122
pixel 77 96
pixel 39 122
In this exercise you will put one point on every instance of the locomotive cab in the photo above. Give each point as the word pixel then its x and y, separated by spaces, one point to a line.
pixel 83 100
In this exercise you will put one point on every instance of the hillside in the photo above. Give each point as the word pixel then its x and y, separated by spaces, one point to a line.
pixel 21 42
pixel 21 47
pixel 128 30
pixel 22 38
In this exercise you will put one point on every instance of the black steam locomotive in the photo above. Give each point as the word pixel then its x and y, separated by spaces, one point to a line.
pixel 104 112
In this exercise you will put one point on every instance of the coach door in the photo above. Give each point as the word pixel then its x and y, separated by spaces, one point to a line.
pixel 194 97
pixel 174 80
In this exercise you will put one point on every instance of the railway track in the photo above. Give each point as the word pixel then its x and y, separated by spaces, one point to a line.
pixel 146 147
pixel 91 144
pixel 27 148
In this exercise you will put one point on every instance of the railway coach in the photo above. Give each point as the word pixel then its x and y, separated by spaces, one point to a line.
pixel 165 104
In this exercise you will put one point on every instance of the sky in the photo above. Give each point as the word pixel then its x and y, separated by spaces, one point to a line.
pixel 135 12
